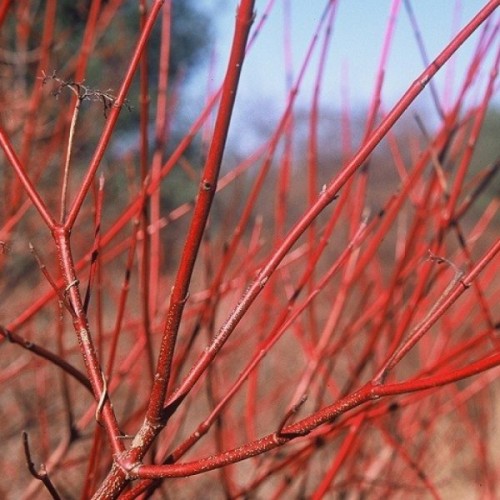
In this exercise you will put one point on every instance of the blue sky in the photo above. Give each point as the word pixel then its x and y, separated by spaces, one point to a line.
pixel 358 35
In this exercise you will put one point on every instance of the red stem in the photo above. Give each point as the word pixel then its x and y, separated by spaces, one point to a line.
pixel 325 198
pixel 201 211
pixel 25 180
pixel 303 427
pixel 153 422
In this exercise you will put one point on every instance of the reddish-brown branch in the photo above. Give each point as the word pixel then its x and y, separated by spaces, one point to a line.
pixel 46 354
pixel 85 341
pixel 180 289
pixel 40 475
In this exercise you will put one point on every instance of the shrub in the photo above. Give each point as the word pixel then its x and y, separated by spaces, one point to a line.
pixel 270 336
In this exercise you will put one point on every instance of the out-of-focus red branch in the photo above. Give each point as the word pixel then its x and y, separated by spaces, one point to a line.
pixel 440 308
pixel 46 354
pixel 25 180
pixel 326 197
pixel 303 427
pixel 113 115
pixel 4 8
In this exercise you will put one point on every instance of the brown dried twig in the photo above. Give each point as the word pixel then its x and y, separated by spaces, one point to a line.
pixel 83 92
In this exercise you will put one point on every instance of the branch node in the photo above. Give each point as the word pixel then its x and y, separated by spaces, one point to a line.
pixel 292 411
pixel 130 469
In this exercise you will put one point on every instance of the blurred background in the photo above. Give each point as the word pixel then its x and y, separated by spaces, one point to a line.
pixel 352 62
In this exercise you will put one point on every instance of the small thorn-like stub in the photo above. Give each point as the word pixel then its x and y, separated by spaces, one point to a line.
pixel 424 81
pixel 206 185
pixel 465 284
pixel 4 247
